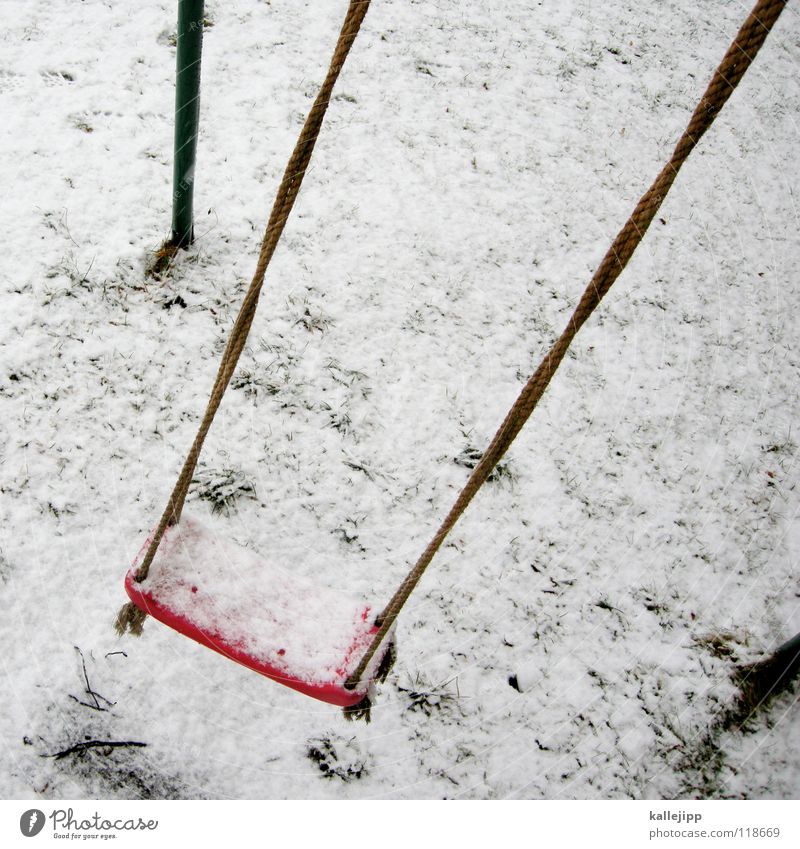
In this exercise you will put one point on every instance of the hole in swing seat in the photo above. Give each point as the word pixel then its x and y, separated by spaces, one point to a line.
pixel 281 625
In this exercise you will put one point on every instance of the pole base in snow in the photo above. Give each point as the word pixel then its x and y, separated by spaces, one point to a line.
pixel 163 258
pixel 182 240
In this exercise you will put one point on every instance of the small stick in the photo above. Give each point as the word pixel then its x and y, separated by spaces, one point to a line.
pixel 89 689
pixel 86 704
pixel 91 744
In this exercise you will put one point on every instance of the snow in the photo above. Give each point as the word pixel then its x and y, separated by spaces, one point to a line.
pixel 475 164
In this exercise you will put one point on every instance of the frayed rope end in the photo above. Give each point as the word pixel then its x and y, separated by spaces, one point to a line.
pixel 130 618
pixel 361 710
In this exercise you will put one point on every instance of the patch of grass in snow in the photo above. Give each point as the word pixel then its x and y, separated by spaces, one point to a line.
pixel 253 385
pixel 347 531
pixel 350 378
pixel 5 568
pixel 659 603
pixel 342 759
pixel 424 697
pixel 80 123
pixel 222 488
pixel 76 272
pixel 16 486
pixel 349 387
pixel 312 318
pixel 786 447
pixel 56 77
pixel 284 357
pixel 718 643
pixel 338 419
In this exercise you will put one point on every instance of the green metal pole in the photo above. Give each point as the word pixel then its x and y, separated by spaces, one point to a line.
pixel 187 117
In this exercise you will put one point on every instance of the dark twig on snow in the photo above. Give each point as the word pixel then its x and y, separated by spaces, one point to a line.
pixel 95 706
pixel 93 744
pixel 89 691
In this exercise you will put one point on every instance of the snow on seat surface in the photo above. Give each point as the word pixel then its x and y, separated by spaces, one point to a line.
pixel 231 600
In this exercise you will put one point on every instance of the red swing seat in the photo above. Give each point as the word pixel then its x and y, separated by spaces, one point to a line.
pixel 278 624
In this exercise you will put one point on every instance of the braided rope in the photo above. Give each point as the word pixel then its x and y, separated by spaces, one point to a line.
pixel 130 617
pixel 727 76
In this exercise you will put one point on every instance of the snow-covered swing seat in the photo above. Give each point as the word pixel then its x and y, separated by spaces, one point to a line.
pixel 317 640
pixel 226 597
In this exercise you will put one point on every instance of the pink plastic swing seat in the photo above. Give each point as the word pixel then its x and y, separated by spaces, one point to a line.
pixel 278 624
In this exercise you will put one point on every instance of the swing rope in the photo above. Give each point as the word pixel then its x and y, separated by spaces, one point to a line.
pixel 131 617
pixel 727 76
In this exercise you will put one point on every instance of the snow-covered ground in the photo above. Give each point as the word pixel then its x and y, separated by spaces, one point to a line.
pixel 576 635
